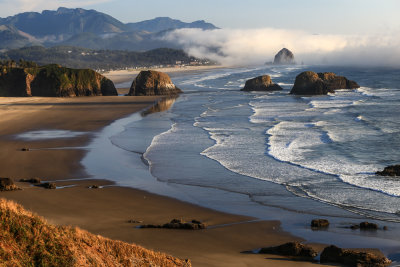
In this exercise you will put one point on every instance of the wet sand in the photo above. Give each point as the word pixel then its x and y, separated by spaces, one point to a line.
pixel 106 211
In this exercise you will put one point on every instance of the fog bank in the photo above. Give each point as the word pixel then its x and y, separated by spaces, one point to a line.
pixel 257 46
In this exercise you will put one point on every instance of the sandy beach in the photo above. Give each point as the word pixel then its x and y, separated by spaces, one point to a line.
pixel 107 210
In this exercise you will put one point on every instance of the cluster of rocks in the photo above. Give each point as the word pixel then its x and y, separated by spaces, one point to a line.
pixel 347 257
pixel 38 182
pixel 7 184
pixel 330 254
pixel 393 170
pixel 178 224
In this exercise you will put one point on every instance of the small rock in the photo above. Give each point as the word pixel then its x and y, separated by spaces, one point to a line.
pixel 48 185
pixel 94 187
pixel 24 149
pixel 319 223
pixel 385 228
pixel 35 180
pixel 333 254
pixel 393 170
pixel 135 221
pixel 6 184
pixel 368 226
pixel 294 249
pixel 178 224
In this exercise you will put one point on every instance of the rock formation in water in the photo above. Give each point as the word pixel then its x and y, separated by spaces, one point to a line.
pixel 294 249
pixel 150 83
pixel 53 81
pixel 393 170
pixel 261 83
pixel 347 257
pixel 284 57
pixel 311 83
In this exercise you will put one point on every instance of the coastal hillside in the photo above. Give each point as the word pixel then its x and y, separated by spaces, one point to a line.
pixel 75 57
pixel 29 79
pixel 28 240
pixel 89 29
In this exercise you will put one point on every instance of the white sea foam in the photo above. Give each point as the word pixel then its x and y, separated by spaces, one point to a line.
pixel 49 134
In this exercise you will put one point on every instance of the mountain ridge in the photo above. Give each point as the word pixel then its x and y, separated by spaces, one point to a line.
pixel 89 29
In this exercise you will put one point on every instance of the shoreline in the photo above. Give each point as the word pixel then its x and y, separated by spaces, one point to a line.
pixel 106 210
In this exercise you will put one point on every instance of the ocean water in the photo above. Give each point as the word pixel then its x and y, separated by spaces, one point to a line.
pixel 311 155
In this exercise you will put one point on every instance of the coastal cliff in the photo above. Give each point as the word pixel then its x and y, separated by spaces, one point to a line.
pixel 53 81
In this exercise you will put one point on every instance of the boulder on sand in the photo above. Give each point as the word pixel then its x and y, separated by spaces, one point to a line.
pixel 150 83
pixel 311 83
pixel 6 184
pixel 294 249
pixel 261 83
pixel 347 257
pixel 319 223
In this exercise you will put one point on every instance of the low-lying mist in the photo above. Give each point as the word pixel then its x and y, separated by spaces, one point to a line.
pixel 257 46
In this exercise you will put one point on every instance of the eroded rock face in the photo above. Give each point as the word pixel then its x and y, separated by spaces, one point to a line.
pixel 347 257
pixel 54 81
pixel 311 83
pixel 393 170
pixel 284 57
pixel 150 83
pixel 261 83
pixel 294 249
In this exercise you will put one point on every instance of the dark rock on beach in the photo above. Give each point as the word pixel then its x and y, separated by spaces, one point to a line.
pixel 364 226
pixel 48 185
pixel 7 184
pixel 284 57
pixel 311 83
pixel 333 254
pixel 319 223
pixel 53 81
pixel 150 83
pixel 31 180
pixel 178 224
pixel 294 249
pixel 393 170
pixel 261 83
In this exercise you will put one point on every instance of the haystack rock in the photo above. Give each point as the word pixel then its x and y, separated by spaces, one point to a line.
pixel 53 81
pixel 284 57
pixel 151 82
pixel 311 83
pixel 261 83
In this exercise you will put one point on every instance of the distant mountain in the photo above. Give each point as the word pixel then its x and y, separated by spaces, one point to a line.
pixel 87 28
pixel 164 23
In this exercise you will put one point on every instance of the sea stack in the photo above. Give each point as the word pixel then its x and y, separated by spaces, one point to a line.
pixel 150 83
pixel 311 83
pixel 261 83
pixel 284 57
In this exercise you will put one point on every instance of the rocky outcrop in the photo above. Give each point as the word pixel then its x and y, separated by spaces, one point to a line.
pixel 284 57
pixel 53 81
pixel 6 184
pixel 293 249
pixel 311 83
pixel 178 224
pixel 393 170
pixel 261 83
pixel 333 254
pixel 35 180
pixel 365 226
pixel 150 83
pixel 319 223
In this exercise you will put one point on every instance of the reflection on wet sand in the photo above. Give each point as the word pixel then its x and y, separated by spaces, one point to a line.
pixel 162 105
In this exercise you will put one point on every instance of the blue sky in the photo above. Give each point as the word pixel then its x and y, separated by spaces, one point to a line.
pixel 316 16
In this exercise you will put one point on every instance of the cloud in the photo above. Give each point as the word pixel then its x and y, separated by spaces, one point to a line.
pixel 9 8
pixel 257 46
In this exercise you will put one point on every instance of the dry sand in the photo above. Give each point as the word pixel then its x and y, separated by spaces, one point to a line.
pixel 119 76
pixel 106 211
